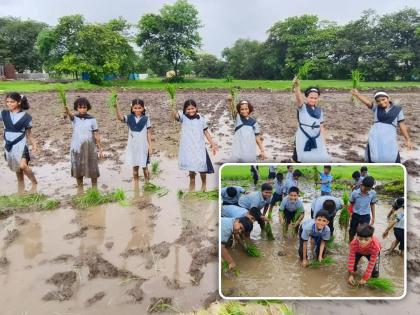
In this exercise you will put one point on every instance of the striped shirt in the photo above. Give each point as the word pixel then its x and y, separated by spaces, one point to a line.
pixel 373 249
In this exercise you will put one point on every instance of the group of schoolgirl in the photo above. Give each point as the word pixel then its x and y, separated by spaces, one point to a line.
pixel 243 209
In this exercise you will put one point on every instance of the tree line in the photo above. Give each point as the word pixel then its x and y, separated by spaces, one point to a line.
pixel 383 47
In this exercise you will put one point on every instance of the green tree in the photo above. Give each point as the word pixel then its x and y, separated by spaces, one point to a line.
pixel 171 35
pixel 208 66
pixel 19 39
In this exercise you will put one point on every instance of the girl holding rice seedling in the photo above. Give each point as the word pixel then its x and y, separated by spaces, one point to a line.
pixel 247 133
pixel 310 136
pixel 382 144
pixel 139 144
pixel 17 130
pixel 193 156
pixel 84 143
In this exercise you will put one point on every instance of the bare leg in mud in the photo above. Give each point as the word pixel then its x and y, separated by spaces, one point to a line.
pixel 21 181
pixel 28 172
pixel 192 181
pixel 94 183
pixel 79 185
pixel 146 174
pixel 203 181
pixel 135 173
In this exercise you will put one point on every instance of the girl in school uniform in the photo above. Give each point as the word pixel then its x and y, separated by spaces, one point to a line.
pixel 247 134
pixel 193 156
pixel 139 144
pixel 383 141
pixel 17 130
pixel 85 142
pixel 310 136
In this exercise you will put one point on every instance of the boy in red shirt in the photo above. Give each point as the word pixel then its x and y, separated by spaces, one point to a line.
pixel 367 245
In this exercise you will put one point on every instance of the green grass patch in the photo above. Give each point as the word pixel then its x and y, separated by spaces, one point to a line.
pixel 253 251
pixel 395 188
pixel 382 284
pixel 93 197
pixel 327 261
pixel 207 195
pixel 36 200
pixel 158 190
pixel 158 84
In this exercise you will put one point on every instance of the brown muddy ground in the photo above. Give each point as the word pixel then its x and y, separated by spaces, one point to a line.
pixel 98 240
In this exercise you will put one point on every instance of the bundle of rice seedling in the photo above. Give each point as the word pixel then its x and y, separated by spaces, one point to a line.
pixel 304 70
pixel 269 231
pixel 171 91
pixel 315 174
pixel 119 195
pixel 209 195
pixel 344 218
pixel 382 284
pixel 253 251
pixel 346 198
pixel 35 200
pixel 356 77
pixel 327 261
pixel 112 101
pixel 155 167
pixel 234 92
pixel 63 98
pixel 160 191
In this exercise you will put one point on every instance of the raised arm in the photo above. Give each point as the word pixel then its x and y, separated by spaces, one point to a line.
pixel 298 94
pixel 362 98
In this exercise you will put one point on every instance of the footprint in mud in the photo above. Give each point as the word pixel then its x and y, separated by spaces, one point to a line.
pixel 4 262
pixel 172 284
pixel 11 236
pixel 97 297
pixel 137 293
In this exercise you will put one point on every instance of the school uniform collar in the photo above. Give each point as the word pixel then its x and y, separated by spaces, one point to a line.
pixel 196 116
pixel 85 116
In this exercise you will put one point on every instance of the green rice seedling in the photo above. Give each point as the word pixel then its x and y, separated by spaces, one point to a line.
pixel 112 101
pixel 120 196
pixel 162 305
pixel 285 310
pixel 327 261
pixel 36 200
pixel 225 269
pixel 315 174
pixel 382 284
pixel 152 188
pixel 208 195
pixel 269 231
pixel 171 91
pixel 180 194
pixel 356 77
pixel 270 215
pixel 234 93
pixel 346 198
pixel 232 308
pixel 91 198
pixel 253 251
pixel 63 98
pixel 344 218
pixel 155 167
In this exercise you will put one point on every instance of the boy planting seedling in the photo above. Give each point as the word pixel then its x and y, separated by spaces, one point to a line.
pixel 233 228
pixel 364 245
pixel 314 231
pixel 291 210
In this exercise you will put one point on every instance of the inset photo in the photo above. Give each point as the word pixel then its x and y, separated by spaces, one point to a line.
pixel 298 231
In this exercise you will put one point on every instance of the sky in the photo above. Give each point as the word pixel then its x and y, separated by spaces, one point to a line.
pixel 224 21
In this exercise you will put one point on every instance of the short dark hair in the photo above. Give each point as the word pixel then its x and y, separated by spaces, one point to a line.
pixel 231 192
pixel 356 175
pixel 363 169
pixel 242 102
pixel 279 176
pixel 266 186
pixel 365 230
pixel 255 213
pixel 297 173
pixel 328 167
pixel 329 205
pixel 398 203
pixel 368 181
pixel 22 99
pixel 322 213
pixel 289 166
pixel 81 101
pixel 293 189
pixel 312 89
pixel 247 224
pixel 187 103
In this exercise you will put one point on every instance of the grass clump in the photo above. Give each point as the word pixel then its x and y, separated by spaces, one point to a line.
pixel 152 188
pixel 253 251
pixel 382 284
pixel 327 261
pixel 155 167
pixel 93 197
pixel 208 195
pixel 36 200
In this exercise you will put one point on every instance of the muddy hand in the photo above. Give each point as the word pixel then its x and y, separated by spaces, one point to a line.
pixel 362 282
pixel 351 280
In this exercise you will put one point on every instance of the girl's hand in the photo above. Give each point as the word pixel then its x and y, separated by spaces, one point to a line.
pixel 35 149
pixel 372 221
pixel 354 92
pixel 232 266
pixel 263 156
pixel 351 280
pixel 296 82
pixel 100 153
pixel 408 144
pixel 213 148
pixel 150 150
pixel 229 100
pixel 362 282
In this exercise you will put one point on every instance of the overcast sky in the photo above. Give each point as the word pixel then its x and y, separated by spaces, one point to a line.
pixel 224 20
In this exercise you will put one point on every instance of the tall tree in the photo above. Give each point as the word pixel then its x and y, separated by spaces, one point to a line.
pixel 171 35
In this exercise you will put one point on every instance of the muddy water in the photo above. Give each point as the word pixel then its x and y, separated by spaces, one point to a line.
pixel 278 272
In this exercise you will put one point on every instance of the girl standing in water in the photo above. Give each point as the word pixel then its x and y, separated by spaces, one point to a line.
pixel 193 156
pixel 17 130
pixel 139 145
pixel 310 136
pixel 85 142
pixel 383 141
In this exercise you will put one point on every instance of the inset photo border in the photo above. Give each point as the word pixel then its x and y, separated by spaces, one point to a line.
pixel 285 230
